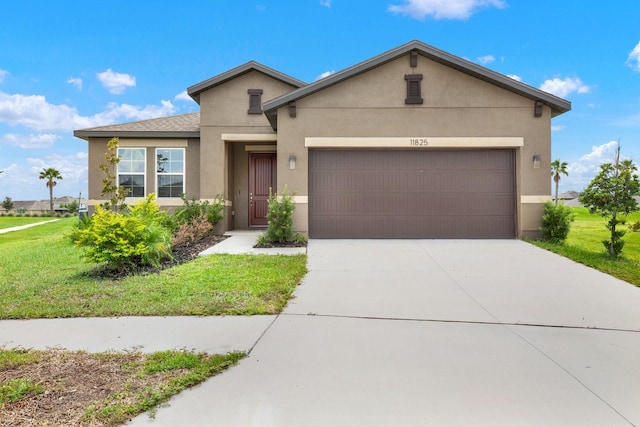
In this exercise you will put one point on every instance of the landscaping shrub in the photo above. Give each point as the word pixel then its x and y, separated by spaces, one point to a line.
pixel 556 222
pixel 193 231
pixel 635 227
pixel 125 239
pixel 280 221
pixel 193 209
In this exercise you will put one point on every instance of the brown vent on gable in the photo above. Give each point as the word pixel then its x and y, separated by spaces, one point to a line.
pixel 292 109
pixel 414 90
pixel 255 101
pixel 413 59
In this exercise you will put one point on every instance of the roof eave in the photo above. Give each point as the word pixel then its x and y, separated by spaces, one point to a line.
pixel 558 105
pixel 195 90
pixel 86 134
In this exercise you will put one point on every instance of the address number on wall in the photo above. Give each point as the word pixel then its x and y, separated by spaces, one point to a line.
pixel 418 142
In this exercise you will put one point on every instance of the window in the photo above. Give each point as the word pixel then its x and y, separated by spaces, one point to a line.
pixel 131 170
pixel 414 91
pixel 255 101
pixel 170 172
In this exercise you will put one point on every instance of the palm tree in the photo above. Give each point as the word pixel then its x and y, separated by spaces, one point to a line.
pixel 558 168
pixel 50 174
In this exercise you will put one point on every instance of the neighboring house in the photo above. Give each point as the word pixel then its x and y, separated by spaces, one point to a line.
pixel 413 143
pixel 42 206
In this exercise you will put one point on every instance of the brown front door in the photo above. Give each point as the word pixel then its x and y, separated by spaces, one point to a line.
pixel 262 178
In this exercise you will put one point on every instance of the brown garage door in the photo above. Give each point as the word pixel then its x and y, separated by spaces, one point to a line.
pixel 412 194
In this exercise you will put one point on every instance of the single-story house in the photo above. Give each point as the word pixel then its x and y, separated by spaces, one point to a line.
pixel 412 143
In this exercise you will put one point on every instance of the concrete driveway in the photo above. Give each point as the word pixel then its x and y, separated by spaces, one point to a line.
pixel 435 333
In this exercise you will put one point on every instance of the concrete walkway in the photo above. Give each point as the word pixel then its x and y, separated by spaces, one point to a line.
pixel 407 333
pixel 22 227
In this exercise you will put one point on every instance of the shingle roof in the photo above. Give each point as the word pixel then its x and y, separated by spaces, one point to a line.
pixel 558 105
pixel 195 90
pixel 180 126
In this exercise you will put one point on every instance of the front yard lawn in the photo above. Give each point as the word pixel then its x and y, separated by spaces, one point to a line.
pixel 44 276
pixel 584 245
pixel 16 221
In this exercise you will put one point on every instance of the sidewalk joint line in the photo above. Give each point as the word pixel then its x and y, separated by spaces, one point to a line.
pixel 262 334
pixel 470 322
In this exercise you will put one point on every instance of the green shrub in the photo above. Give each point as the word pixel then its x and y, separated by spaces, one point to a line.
pixel 193 209
pixel 635 227
pixel 125 239
pixel 556 222
pixel 279 219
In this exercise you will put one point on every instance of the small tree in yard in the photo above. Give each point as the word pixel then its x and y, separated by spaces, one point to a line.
pixel 558 168
pixel 110 188
pixel 611 194
pixel 50 174
pixel 7 204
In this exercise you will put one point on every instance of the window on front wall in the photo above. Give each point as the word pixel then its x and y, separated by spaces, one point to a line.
pixel 170 171
pixel 131 170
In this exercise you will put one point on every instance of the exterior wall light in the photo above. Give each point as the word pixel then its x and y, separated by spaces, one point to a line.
pixel 536 161
pixel 537 109
pixel 292 161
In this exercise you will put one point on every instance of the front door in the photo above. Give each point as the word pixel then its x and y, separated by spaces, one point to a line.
pixel 262 178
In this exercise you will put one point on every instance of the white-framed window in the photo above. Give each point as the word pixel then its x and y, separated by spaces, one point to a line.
pixel 131 170
pixel 170 172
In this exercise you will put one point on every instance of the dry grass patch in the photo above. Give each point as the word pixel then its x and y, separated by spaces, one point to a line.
pixel 103 389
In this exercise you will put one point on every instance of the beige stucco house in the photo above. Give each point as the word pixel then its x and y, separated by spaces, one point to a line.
pixel 413 143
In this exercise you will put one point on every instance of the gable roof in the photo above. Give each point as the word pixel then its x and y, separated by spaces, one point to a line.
pixel 558 105
pixel 195 90
pixel 180 126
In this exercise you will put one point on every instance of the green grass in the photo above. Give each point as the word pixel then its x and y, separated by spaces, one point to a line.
pixel 16 221
pixel 44 276
pixel 15 389
pixel 584 245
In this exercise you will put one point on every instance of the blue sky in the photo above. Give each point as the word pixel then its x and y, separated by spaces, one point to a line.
pixel 74 64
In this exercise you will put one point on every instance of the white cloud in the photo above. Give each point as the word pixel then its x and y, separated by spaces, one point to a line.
pixel 3 75
pixel 558 128
pixel 486 59
pixel 42 140
pixel 443 9
pixel 76 81
pixel 325 75
pixel 633 60
pixel 582 171
pixel 564 87
pixel 34 112
pixel 183 96
pixel 117 83
pixel 325 3
pixel 73 168
pixel 515 77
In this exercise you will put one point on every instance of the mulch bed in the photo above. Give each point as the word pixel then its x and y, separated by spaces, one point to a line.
pixel 181 254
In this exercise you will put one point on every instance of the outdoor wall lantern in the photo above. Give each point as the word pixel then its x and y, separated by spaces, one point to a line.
pixel 537 109
pixel 292 161
pixel 536 161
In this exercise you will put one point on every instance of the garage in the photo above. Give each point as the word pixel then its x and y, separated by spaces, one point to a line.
pixel 422 193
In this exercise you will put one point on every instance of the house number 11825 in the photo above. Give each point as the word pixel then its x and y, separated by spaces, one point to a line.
pixel 418 142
